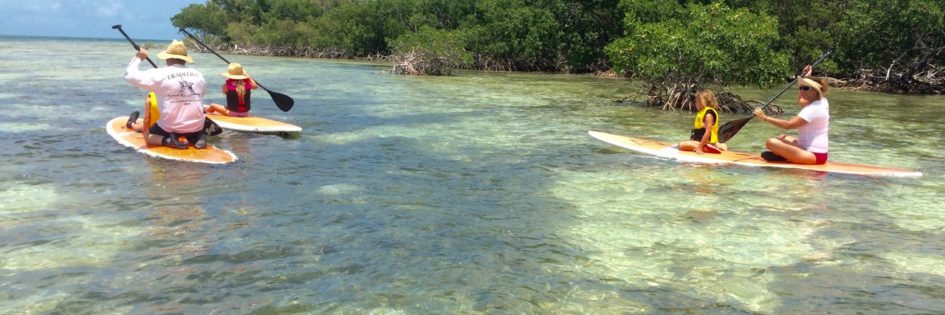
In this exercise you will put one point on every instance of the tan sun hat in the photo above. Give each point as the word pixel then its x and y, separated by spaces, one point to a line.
pixel 176 50
pixel 813 84
pixel 235 71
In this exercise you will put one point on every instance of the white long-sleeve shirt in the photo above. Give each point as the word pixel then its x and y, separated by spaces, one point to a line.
pixel 179 93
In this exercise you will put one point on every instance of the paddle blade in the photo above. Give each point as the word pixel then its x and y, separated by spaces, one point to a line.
pixel 729 129
pixel 211 128
pixel 284 102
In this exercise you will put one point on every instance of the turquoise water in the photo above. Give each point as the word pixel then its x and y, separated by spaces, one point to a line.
pixel 479 193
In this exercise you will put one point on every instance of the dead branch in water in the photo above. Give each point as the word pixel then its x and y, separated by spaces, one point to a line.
pixel 682 97
pixel 415 62
pixel 929 81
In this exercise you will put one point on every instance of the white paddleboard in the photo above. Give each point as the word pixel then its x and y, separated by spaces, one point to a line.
pixel 668 150
pixel 253 124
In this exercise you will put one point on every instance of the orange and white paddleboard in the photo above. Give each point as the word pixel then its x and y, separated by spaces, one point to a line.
pixel 130 138
pixel 253 124
pixel 668 150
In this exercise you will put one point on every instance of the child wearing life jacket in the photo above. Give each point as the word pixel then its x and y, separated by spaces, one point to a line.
pixel 237 90
pixel 152 115
pixel 705 130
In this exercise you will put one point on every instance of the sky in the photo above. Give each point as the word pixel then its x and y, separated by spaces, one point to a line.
pixel 141 19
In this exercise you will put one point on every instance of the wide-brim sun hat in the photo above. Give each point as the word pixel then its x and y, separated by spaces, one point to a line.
pixel 813 84
pixel 235 71
pixel 176 50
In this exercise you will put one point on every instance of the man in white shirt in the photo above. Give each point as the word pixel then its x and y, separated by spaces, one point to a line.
pixel 179 92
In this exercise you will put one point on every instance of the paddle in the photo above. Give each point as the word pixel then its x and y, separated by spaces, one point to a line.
pixel 729 129
pixel 137 48
pixel 284 102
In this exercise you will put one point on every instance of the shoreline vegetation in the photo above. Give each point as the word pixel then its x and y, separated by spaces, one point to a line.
pixel 675 47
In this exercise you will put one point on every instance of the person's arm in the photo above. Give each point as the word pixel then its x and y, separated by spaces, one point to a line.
pixel 708 122
pixel 252 83
pixel 793 123
pixel 138 78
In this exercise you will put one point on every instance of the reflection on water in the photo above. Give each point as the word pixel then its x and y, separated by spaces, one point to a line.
pixel 474 193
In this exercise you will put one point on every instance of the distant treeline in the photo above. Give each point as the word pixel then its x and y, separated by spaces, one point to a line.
pixel 894 42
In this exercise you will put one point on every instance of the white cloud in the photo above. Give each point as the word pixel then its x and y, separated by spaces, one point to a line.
pixel 109 9
pixel 31 5
pixel 90 18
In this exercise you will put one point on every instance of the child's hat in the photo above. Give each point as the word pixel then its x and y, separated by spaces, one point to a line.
pixel 235 71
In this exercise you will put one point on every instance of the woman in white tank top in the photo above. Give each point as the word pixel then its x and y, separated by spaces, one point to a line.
pixel 812 124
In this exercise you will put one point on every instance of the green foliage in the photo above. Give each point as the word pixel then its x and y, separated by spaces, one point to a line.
pixel 698 43
pixel 523 34
pixel 587 27
pixel 295 10
pixel 874 34
pixel 512 31
pixel 429 41
pixel 433 51
pixel 444 14
pixel 363 28
pixel 724 41
pixel 206 19
pixel 241 33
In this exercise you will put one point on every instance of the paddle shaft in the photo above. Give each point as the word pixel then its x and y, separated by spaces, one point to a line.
pixel 146 123
pixel 282 101
pixel 137 48
pixel 797 77
pixel 729 129
pixel 215 53
pixel 204 45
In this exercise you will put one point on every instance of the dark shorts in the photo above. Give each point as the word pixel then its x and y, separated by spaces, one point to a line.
pixel 697 134
pixel 157 130
pixel 821 157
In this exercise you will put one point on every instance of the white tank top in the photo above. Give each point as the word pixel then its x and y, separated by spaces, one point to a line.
pixel 813 136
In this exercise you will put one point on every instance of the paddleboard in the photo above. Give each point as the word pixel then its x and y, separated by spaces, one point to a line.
pixel 668 150
pixel 130 138
pixel 253 124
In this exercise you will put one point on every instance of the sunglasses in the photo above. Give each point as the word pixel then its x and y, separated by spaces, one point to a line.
pixel 805 88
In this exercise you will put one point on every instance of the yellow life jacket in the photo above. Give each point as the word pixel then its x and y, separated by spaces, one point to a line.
pixel 152 109
pixel 698 126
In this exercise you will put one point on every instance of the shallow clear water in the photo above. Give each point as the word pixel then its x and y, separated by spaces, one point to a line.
pixel 479 193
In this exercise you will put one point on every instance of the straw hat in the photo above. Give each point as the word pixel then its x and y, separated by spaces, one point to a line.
pixel 235 71
pixel 176 50
pixel 813 84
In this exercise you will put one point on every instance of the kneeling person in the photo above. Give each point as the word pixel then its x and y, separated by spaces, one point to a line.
pixel 179 91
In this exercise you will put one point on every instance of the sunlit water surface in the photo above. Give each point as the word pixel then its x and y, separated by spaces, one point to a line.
pixel 478 193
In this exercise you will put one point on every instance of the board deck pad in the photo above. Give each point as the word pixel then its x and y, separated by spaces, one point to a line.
pixel 253 124
pixel 669 150
pixel 133 139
